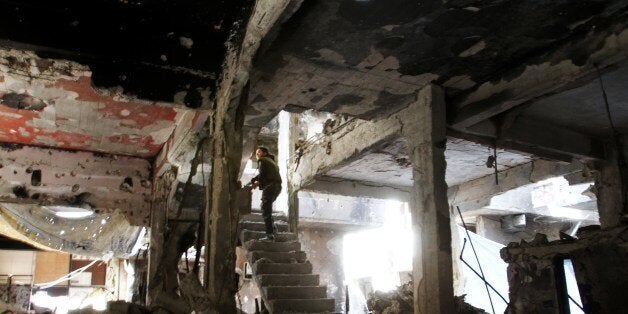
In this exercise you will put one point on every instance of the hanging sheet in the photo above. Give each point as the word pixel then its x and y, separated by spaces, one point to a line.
pixel 494 271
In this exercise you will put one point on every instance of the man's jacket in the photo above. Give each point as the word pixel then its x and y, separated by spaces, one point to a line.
pixel 268 172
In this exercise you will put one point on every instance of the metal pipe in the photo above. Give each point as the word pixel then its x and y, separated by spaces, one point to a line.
pixel 483 279
pixel 477 259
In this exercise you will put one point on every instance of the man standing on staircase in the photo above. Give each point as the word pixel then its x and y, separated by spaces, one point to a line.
pixel 269 181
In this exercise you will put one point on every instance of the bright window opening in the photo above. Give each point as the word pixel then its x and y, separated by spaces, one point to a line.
pixel 573 294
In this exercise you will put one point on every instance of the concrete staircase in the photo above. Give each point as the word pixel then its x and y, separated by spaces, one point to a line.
pixel 281 270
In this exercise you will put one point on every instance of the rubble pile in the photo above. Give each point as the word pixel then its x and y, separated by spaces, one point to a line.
pixel 396 301
pixel 401 300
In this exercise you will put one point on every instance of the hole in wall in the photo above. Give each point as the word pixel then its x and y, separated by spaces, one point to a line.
pixel 36 178
pixel 20 191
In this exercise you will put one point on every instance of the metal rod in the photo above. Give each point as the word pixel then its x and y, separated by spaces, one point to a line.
pixel 476 273
pixel 347 303
pixel 476 256
pixel 616 136
pixel 495 162
pixel 576 303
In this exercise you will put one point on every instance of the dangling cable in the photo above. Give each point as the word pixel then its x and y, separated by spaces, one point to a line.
pixel 617 140
pixel 495 161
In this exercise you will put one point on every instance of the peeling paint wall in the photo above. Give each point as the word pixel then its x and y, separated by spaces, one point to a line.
pixel 50 102
pixel 32 175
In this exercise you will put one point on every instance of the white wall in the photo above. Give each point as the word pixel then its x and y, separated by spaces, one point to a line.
pixel 14 262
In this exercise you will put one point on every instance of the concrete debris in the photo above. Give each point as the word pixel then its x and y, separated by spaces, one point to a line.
pixel 397 301
pixel 401 301
pixel 186 42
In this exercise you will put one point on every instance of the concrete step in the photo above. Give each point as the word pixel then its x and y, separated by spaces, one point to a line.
pixel 282 268
pixel 301 305
pixel 257 216
pixel 269 246
pixel 260 226
pixel 247 235
pixel 291 292
pixel 277 257
pixel 287 280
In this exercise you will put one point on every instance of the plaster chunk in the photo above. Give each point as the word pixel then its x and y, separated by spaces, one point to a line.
pixel 372 60
pixel 479 46
pixel 460 82
pixel 390 63
pixel 544 74
pixel 390 27
pixel 186 42
pixel 331 56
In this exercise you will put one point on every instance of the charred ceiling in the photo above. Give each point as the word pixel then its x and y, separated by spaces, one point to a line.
pixel 152 49
pixel 368 58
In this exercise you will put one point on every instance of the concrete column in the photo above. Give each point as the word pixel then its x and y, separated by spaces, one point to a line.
pixel 162 191
pixel 221 212
pixel 155 253
pixel 611 187
pixel 287 201
pixel 424 128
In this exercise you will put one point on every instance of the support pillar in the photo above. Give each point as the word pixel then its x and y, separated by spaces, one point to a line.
pixel 221 212
pixel 162 192
pixel 155 252
pixel 424 126
pixel 288 201
pixel 611 186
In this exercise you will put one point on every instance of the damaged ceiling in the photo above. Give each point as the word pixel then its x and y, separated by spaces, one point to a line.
pixel 128 77
pixel 368 58
pixel 390 166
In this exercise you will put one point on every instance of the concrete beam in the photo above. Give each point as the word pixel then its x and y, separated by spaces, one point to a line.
pixel 423 125
pixel 534 80
pixel 46 176
pixel 338 148
pixel 534 137
pixel 330 185
pixel 565 213
pixel 475 194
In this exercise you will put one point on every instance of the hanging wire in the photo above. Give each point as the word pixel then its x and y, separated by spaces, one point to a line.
pixel 617 140
pixel 486 284
pixel 495 162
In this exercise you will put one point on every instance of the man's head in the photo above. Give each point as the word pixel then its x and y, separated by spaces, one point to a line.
pixel 261 151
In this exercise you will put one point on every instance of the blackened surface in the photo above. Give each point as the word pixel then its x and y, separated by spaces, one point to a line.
pixel 340 100
pixel 11 244
pixel 143 46
pixel 429 36
pixel 21 101
pixel 20 191
pixel 194 198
